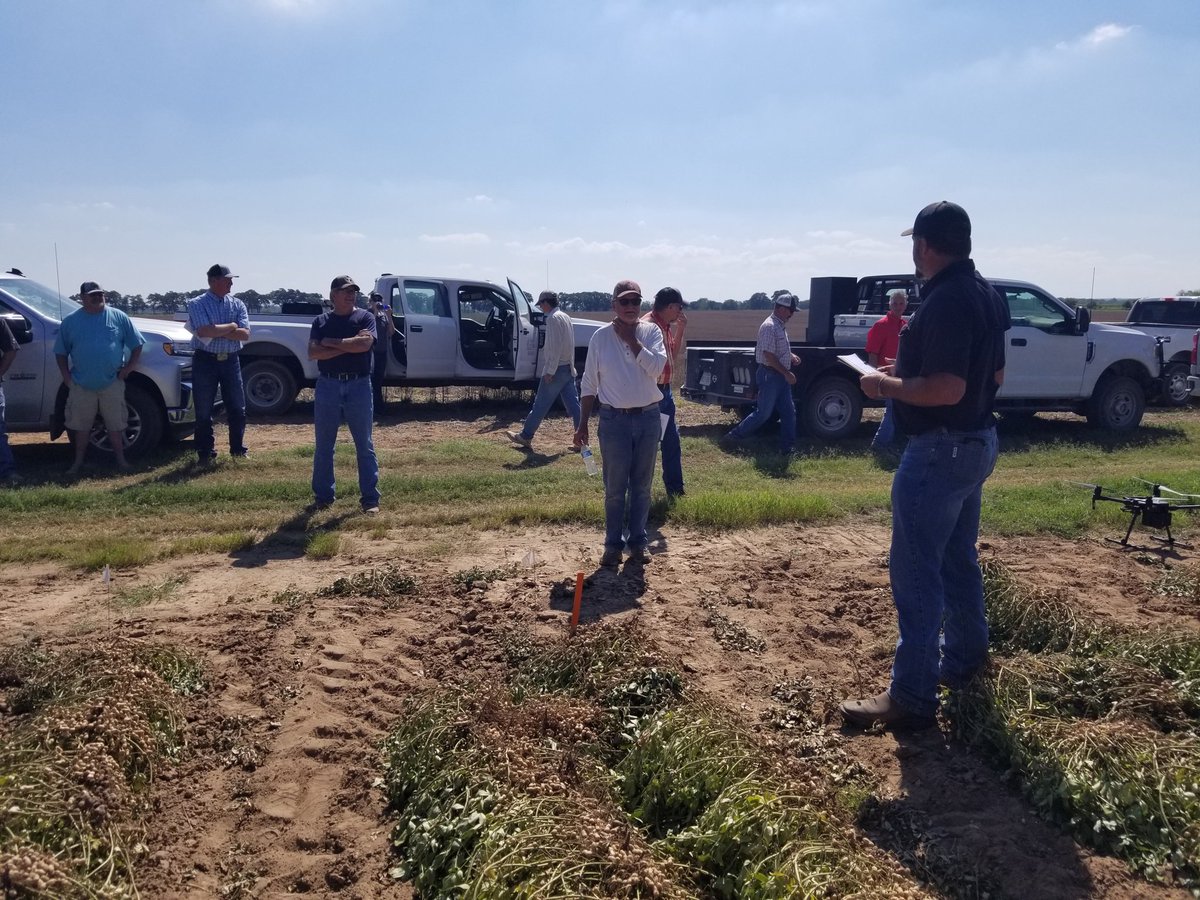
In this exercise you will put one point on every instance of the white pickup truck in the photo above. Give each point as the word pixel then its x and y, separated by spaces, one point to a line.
pixel 1057 359
pixel 449 331
pixel 158 391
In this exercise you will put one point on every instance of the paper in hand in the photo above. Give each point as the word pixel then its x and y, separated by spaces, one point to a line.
pixel 857 364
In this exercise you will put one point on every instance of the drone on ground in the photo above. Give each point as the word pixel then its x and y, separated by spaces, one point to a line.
pixel 1154 509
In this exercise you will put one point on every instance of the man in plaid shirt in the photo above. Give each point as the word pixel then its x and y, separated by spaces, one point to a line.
pixel 219 325
pixel 775 359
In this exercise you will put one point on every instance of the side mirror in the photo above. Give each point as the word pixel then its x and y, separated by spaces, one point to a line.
pixel 1083 318
pixel 21 330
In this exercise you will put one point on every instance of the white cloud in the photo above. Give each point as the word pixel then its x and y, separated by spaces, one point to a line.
pixel 1098 36
pixel 346 236
pixel 297 7
pixel 480 198
pixel 474 237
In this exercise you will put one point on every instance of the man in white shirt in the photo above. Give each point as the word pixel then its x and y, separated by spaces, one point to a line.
pixel 557 370
pixel 624 361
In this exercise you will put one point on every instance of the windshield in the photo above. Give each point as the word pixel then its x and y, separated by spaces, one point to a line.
pixel 39 298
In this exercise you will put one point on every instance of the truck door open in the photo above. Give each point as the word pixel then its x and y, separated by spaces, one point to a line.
pixel 525 336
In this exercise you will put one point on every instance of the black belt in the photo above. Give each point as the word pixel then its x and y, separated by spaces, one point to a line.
pixel 632 411
pixel 345 376
pixel 219 357
pixel 967 437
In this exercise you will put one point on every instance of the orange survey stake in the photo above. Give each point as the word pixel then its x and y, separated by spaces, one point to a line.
pixel 578 600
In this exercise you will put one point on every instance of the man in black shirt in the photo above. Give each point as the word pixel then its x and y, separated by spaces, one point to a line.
pixel 943 385
pixel 341 342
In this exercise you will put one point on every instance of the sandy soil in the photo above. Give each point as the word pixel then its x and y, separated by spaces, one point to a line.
pixel 281 795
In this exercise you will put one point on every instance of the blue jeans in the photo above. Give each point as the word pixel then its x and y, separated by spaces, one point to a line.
pixel 672 455
pixel 936 583
pixel 774 395
pixel 7 464
pixel 885 434
pixel 628 445
pixel 351 401
pixel 562 384
pixel 207 373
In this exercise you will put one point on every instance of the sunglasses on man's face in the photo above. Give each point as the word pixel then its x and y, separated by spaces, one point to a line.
pixel 630 301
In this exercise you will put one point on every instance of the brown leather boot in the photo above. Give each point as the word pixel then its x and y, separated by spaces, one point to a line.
pixel 883 710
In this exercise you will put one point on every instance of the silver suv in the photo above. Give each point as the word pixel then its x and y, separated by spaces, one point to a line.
pixel 158 391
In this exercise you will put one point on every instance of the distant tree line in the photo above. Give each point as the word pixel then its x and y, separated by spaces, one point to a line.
pixel 582 301
pixel 601 301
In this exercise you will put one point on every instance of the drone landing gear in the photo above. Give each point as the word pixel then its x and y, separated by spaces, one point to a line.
pixel 1169 541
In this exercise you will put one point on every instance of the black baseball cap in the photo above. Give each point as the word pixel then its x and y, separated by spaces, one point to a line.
pixel 90 287
pixel 941 219
pixel 219 271
pixel 342 282
pixel 666 296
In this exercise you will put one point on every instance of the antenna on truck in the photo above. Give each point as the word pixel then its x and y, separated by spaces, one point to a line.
pixel 58 281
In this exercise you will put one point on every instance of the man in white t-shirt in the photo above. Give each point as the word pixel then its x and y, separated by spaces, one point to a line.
pixel 624 361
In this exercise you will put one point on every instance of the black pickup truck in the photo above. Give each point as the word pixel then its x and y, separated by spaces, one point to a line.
pixel 829 403
pixel 1174 319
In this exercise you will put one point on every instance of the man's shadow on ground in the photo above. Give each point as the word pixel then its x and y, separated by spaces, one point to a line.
pixel 289 540
pixel 607 591
pixel 944 827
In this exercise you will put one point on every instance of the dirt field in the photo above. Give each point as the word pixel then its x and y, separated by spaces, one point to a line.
pixel 282 798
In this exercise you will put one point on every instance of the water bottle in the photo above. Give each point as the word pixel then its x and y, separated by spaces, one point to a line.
pixel 589 461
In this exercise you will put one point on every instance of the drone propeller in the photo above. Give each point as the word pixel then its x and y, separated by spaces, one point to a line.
pixel 1084 484
pixel 1167 490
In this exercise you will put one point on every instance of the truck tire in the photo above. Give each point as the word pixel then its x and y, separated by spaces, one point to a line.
pixel 831 408
pixel 1175 388
pixel 270 387
pixel 145 429
pixel 1116 404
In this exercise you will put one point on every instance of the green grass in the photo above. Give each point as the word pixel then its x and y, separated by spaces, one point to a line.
pixel 153 592
pixel 169 510
pixel 324 545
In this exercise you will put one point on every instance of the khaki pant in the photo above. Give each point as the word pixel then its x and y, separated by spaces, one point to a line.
pixel 109 401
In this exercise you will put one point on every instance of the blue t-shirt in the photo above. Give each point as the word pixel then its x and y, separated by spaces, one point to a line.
pixel 98 345
pixel 330 325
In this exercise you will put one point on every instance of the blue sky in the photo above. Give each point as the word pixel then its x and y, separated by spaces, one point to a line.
pixel 722 147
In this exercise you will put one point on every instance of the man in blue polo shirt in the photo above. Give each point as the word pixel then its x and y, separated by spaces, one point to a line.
pixel 341 343
pixel 219 324
pixel 96 349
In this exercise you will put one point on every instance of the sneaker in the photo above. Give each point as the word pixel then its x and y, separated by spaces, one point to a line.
pixel 240 454
pixel 639 555
pixel 519 439
pixel 204 460
pixel 611 558
pixel 883 710
pixel 371 510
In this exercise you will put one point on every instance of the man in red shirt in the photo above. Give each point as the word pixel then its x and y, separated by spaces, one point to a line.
pixel 883 343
